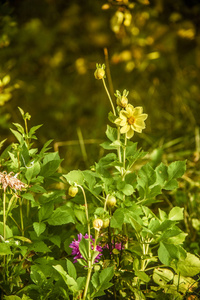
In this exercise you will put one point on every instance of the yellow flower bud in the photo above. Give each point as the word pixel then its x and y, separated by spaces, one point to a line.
pixel 123 101
pixel 73 190
pixel 100 72
pixel 111 201
pixel 97 224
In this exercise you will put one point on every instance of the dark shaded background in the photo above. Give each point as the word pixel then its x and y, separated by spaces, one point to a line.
pixel 50 48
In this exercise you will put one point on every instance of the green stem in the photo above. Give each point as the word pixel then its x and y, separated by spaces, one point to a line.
pixel 119 148
pixel 124 158
pixel 109 97
pixel 4 214
pixel 87 282
pixel 21 217
pixel 89 245
pixel 26 130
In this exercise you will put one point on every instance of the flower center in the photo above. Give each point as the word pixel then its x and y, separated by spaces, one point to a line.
pixel 131 121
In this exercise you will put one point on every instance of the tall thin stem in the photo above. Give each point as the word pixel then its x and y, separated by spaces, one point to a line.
pixel 109 97
pixel 4 215
pixel 89 245
pixel 21 217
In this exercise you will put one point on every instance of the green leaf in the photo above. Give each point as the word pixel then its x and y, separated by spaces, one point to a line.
pixel 117 219
pixel 188 266
pixel 50 165
pixel 143 276
pixel 162 174
pixel 18 136
pixel 62 215
pixel 39 227
pixel 1 143
pixel 19 128
pixel 75 176
pixel 71 269
pixel 95 280
pixel 146 176
pixel 13 297
pixel 70 282
pixel 9 232
pixel 111 133
pixel 32 171
pixel 162 276
pixel 33 130
pixel 28 196
pixel 176 169
pixel 83 248
pixel 169 252
pixel 45 211
pixel 37 276
pixel 176 213
pixel 37 189
pixel 104 277
pixel 56 240
pixel 39 246
pixel 5 249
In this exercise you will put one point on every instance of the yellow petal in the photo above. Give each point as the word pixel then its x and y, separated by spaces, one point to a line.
pixel 130 133
pixel 125 129
pixel 138 110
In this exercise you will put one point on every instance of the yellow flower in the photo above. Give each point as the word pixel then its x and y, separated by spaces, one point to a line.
pixel 131 119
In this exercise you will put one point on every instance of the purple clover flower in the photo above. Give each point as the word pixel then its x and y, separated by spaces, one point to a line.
pixel 75 248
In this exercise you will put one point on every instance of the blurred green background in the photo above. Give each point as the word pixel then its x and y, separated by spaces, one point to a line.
pixel 48 55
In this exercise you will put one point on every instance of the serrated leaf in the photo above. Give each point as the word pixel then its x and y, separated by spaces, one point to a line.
pixel 111 133
pixel 162 174
pixel 39 246
pixel 75 176
pixel 176 169
pixel 61 216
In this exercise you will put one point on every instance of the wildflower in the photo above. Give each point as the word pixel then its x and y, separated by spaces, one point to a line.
pixel 98 224
pixel 131 119
pixel 75 248
pixel 12 181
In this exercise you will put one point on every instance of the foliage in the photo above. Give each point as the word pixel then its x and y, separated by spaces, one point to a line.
pixel 129 251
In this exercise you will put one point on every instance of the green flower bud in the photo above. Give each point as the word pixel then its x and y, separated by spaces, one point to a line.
pixel 100 72
pixel 111 201
pixel 106 223
pixel 73 190
pixel 122 100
